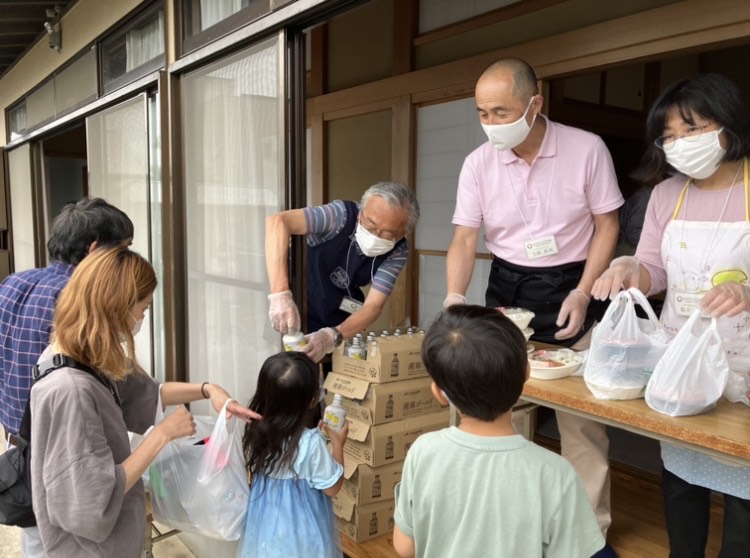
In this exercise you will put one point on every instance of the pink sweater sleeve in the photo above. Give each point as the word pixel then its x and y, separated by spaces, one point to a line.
pixel 658 214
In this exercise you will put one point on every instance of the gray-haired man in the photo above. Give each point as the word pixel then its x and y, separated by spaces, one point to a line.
pixel 349 245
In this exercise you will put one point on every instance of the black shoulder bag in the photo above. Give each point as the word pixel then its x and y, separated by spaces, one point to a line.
pixel 15 470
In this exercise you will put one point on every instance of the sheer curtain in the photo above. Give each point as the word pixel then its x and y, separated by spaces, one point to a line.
pixel 21 207
pixel 118 154
pixel 144 44
pixel 213 11
pixel 233 125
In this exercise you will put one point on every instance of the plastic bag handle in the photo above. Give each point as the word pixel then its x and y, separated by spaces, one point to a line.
pixel 160 414
pixel 711 331
pixel 219 447
pixel 621 297
pixel 641 299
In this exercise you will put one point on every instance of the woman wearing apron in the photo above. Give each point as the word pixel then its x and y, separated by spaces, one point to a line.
pixel 696 245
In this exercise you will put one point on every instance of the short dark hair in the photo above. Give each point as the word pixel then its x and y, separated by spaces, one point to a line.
pixel 80 224
pixel 477 356
pixel 709 95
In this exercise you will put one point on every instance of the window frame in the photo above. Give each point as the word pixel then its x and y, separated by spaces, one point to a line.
pixel 122 30
pixel 189 8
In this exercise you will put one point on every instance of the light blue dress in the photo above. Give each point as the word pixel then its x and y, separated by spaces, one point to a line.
pixel 288 515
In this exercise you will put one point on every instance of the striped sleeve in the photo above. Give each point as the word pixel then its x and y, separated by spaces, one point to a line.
pixel 324 222
pixel 386 275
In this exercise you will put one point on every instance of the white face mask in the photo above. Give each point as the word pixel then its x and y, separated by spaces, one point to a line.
pixel 698 156
pixel 370 244
pixel 508 136
pixel 137 326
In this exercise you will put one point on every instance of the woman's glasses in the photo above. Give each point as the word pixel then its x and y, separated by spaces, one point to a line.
pixel 692 134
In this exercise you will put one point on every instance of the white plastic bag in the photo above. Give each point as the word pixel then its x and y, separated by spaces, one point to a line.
pixel 738 387
pixel 692 373
pixel 624 349
pixel 220 500
pixel 198 484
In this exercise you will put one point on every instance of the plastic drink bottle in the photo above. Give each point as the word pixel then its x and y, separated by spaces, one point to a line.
pixel 335 414
pixel 357 350
pixel 294 341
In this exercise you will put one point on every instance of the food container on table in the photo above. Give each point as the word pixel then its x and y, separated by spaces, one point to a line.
pixel 519 316
pixel 549 364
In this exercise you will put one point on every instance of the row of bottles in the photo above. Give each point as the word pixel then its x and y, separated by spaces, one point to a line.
pixel 360 347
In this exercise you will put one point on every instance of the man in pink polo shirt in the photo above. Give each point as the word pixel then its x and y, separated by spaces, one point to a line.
pixel 548 198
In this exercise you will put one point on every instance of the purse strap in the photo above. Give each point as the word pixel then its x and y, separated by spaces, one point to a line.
pixel 43 369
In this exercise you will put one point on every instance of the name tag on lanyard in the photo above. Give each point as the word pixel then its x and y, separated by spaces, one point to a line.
pixel 685 303
pixel 541 247
pixel 350 305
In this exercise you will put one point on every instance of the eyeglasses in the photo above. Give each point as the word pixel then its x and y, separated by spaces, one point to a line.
pixel 371 227
pixel 692 134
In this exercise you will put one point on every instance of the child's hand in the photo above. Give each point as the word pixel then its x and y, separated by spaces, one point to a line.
pixel 218 396
pixel 338 439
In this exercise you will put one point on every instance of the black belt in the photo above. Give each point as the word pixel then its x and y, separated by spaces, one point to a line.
pixel 11 439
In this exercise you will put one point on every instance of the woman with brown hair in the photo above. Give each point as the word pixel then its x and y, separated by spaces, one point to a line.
pixel 87 490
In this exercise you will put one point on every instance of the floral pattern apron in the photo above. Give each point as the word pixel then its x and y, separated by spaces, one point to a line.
pixel 698 255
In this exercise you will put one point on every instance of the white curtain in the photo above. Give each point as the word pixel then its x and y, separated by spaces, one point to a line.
pixel 144 44
pixel 233 123
pixel 21 207
pixel 118 153
pixel 213 11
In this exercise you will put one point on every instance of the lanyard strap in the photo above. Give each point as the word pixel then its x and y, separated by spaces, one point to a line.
pixel 549 196
pixel 683 193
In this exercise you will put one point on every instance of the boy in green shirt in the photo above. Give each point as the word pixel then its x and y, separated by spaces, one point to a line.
pixel 480 489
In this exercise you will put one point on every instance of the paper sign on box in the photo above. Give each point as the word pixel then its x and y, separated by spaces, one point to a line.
pixel 379 403
pixel 365 484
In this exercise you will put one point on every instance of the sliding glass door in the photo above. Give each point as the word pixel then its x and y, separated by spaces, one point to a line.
pixel 120 144
pixel 233 114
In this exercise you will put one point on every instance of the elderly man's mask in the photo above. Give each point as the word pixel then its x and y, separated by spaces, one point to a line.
pixel 372 245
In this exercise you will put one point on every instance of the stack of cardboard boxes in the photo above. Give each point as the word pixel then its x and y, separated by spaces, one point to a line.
pixel 388 403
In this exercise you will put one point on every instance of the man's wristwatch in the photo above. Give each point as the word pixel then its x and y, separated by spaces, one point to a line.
pixel 339 338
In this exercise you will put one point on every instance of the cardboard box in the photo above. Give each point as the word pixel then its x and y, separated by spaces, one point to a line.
pixel 365 484
pixel 363 522
pixel 396 358
pixel 379 403
pixel 383 444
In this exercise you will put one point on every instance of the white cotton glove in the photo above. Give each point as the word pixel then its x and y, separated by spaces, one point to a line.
pixel 572 311
pixel 623 273
pixel 454 298
pixel 319 343
pixel 283 312
pixel 727 299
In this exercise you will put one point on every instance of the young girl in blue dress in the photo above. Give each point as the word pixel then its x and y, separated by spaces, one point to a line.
pixel 292 474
